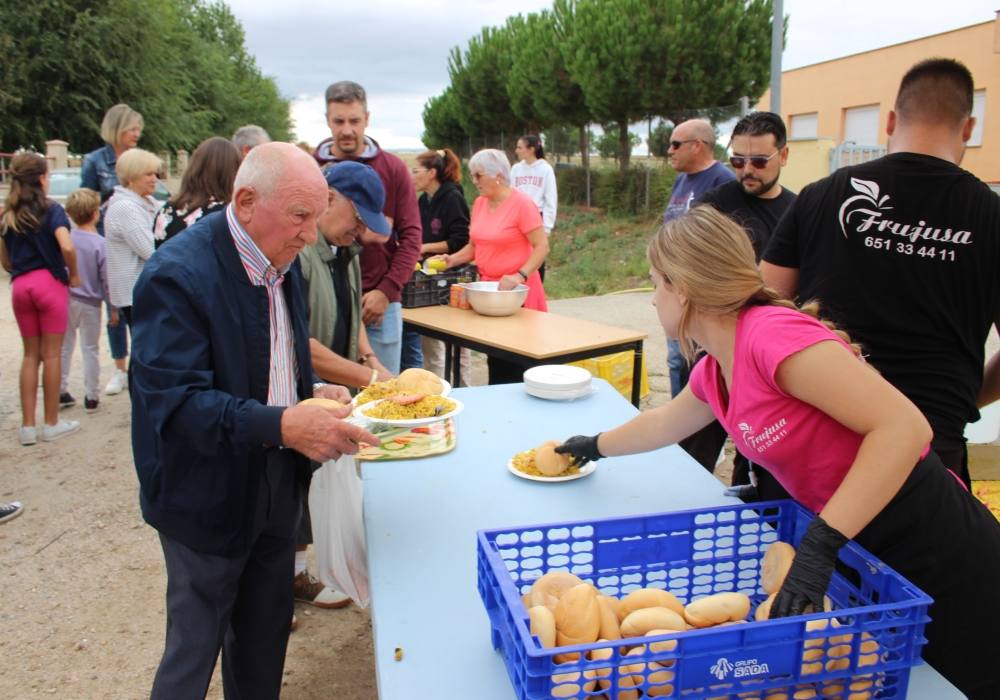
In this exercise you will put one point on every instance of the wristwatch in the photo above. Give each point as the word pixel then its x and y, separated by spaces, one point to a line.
pixel 523 276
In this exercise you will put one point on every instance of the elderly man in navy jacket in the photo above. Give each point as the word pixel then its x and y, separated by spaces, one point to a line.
pixel 222 446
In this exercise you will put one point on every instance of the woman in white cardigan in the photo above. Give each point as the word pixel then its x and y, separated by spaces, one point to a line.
pixel 128 225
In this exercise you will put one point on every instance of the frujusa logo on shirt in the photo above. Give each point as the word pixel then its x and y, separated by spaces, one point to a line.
pixel 868 213
pixel 766 437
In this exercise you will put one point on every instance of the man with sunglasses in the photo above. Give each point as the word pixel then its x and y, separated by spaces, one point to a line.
pixel 903 253
pixel 691 154
pixel 757 202
pixel 755 199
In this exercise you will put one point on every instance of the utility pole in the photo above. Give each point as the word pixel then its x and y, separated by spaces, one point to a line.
pixel 777 40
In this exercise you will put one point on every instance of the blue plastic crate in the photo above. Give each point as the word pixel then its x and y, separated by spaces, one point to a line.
pixel 881 615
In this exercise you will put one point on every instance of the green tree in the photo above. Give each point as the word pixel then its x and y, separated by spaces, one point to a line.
pixel 609 144
pixel 478 79
pixel 181 63
pixel 659 141
pixel 442 128
pixel 640 58
pixel 542 91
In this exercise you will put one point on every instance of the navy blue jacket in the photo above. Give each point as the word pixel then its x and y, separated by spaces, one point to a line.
pixel 201 364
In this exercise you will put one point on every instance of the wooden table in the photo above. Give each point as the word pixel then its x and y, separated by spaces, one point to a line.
pixel 526 337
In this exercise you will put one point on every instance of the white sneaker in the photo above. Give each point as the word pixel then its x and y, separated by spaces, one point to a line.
pixel 63 427
pixel 117 384
pixel 28 435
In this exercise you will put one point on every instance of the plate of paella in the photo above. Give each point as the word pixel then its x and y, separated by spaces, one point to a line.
pixel 410 410
pixel 408 382
pixel 525 465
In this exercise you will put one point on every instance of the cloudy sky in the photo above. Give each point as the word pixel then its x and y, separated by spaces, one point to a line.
pixel 398 49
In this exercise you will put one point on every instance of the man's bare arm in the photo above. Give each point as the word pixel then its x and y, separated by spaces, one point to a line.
pixel 784 280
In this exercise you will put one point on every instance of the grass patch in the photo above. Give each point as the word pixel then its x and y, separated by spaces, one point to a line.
pixel 592 253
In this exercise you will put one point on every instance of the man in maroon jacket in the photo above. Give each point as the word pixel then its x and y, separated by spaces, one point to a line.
pixel 385 266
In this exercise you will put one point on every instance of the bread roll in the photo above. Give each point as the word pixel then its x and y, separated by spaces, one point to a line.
pixel 549 588
pixel 609 620
pixel 774 568
pixel 763 611
pixel 550 462
pixel 543 625
pixel 578 614
pixel 418 381
pixel 638 623
pixel 649 598
pixel 718 608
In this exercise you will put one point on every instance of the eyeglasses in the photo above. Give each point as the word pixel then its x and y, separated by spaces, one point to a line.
pixel 677 144
pixel 759 162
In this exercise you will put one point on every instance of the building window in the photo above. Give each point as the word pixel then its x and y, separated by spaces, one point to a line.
pixel 803 126
pixel 861 125
pixel 979 112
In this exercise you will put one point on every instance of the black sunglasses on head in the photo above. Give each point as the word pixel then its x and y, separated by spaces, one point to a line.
pixel 759 162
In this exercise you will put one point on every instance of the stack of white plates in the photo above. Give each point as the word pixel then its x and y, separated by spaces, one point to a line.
pixel 557 382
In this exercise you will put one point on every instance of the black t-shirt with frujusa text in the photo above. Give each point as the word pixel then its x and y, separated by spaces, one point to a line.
pixel 903 253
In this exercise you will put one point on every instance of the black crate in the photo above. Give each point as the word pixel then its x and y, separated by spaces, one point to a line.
pixel 432 290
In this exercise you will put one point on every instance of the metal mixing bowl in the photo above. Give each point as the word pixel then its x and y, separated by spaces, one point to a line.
pixel 486 299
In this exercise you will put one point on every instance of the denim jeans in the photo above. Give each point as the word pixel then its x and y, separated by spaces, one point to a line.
pixel 680 371
pixel 386 338
pixel 117 337
pixel 413 353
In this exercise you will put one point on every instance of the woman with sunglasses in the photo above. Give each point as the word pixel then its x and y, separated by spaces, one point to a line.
pixel 507 242
pixel 795 395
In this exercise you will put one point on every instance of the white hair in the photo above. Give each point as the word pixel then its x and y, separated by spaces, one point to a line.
pixel 264 167
pixel 249 136
pixel 492 162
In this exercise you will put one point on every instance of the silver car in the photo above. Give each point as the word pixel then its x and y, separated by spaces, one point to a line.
pixel 64 180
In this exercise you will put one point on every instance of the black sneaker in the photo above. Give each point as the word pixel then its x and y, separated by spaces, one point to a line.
pixel 66 400
pixel 90 405
pixel 9 511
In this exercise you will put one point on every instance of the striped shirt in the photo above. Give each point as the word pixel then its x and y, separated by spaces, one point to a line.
pixel 128 232
pixel 284 371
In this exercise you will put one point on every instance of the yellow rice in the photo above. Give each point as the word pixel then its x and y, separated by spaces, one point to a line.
pixel 525 462
pixel 424 408
pixel 378 390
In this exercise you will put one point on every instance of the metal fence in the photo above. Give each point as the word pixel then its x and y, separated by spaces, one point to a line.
pixel 850 153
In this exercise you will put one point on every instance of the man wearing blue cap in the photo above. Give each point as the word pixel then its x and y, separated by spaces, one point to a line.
pixel 338 343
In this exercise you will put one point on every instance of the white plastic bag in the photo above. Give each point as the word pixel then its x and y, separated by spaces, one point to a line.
pixel 338 531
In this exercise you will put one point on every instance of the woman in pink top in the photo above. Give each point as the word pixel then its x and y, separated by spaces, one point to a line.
pixel 506 240
pixel 796 398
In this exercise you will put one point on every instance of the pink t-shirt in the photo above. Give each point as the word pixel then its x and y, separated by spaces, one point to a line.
pixel 502 245
pixel 805 449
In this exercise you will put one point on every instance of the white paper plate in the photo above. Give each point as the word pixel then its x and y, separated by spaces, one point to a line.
pixel 586 470
pixel 557 377
pixel 553 395
pixel 406 422
pixel 445 390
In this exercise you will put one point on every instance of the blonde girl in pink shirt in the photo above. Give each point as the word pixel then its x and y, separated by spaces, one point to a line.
pixel 798 399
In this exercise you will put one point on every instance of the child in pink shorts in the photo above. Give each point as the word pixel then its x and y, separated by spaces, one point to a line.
pixel 37 251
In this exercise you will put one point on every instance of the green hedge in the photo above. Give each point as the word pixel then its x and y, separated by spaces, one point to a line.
pixel 614 191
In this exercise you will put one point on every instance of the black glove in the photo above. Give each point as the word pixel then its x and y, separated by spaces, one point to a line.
pixel 809 576
pixel 583 449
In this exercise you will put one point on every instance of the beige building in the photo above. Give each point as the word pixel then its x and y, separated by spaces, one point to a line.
pixel 844 102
